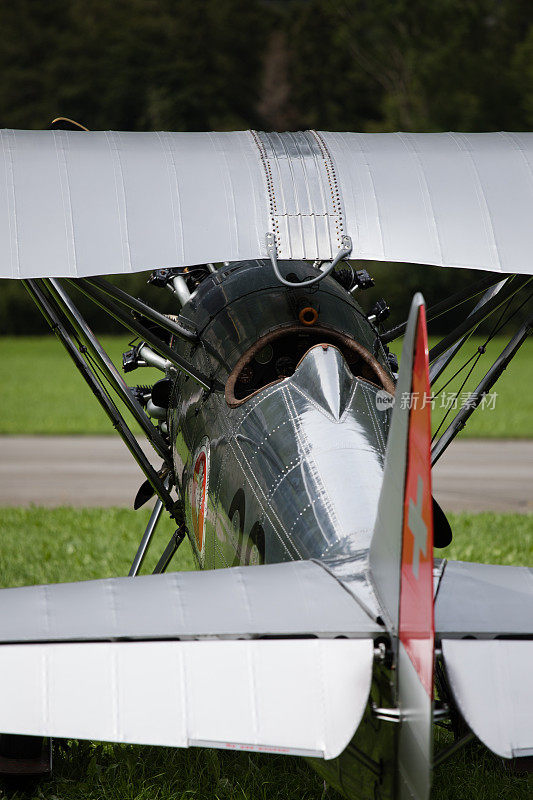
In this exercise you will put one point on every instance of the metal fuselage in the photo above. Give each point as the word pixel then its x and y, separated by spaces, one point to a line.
pixel 287 464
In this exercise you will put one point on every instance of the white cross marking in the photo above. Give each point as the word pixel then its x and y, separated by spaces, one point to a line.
pixel 417 526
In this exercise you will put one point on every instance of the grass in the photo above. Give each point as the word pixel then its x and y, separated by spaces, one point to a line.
pixel 45 545
pixel 42 393
pixel 512 416
pixel 71 544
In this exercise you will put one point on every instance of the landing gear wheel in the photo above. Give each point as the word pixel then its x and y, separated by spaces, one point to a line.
pixel 255 550
pixel 25 756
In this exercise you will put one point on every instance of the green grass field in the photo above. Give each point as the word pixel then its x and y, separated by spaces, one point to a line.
pixel 45 394
pixel 512 416
pixel 46 545
pixel 42 393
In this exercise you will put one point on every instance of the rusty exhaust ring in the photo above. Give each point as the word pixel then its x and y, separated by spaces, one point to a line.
pixel 370 368
pixel 308 315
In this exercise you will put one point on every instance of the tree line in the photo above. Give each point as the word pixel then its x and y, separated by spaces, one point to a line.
pixel 365 65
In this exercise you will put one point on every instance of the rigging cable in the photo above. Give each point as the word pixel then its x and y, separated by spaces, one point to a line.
pixel 500 323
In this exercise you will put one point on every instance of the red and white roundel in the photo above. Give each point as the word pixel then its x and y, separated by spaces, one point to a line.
pixel 199 494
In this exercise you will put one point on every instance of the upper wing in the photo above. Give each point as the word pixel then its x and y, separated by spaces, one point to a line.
pixel 76 204
pixel 238 658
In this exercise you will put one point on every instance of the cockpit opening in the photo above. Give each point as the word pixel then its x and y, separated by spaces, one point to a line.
pixel 276 355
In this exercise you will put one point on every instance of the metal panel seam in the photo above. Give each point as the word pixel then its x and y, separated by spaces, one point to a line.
pixel 244 590
pixel 334 186
pixel 298 214
pixel 284 544
pixel 357 138
pixel 45 678
pixel 112 604
pixel 269 183
pixel 122 210
pixel 482 199
pixel 179 593
pixel 371 414
pixel 308 451
pixel 253 181
pixel 308 187
pixel 357 600
pixel 66 196
pixel 322 684
pixel 512 137
pixel 10 186
pixel 115 689
pixel 174 192
pixel 251 655
pixel 426 194
pixel 226 179
pixel 46 604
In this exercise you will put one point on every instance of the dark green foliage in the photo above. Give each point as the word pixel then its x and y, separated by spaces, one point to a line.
pixel 413 65
pixel 19 314
pixel 224 64
pixel 130 64
pixel 271 64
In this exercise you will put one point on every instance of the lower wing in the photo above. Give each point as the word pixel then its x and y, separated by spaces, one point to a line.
pixel 239 658
pixel 484 621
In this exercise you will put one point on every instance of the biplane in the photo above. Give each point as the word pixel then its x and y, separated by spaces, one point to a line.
pixel 287 445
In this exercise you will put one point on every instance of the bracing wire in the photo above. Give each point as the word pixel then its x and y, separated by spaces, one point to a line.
pixel 499 324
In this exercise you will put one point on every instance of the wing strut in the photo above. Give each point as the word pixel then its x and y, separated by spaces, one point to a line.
pixel 449 303
pixel 54 317
pixel 474 319
pixel 132 324
pixel 497 293
pixel 99 372
pixel 484 386
pixel 440 364
pixel 76 319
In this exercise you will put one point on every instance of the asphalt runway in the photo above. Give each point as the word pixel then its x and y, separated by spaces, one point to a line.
pixel 474 475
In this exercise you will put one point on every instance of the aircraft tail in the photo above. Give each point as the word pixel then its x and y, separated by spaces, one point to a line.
pixel 401 557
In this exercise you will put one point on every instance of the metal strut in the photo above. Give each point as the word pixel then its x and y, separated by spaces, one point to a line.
pixel 484 386
pixel 79 324
pixel 439 365
pixel 175 328
pixel 453 748
pixel 175 541
pixel 451 302
pixel 132 324
pixel 155 516
pixel 473 320
pixel 53 315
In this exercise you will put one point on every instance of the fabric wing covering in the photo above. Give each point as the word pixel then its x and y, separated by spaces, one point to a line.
pixel 86 203
pixel 483 619
pixel 170 660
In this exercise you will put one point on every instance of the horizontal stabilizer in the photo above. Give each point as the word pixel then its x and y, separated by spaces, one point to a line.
pixel 484 619
pixel 484 600
pixel 293 599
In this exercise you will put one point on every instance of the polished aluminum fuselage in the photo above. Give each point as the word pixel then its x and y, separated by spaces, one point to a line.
pixel 301 460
